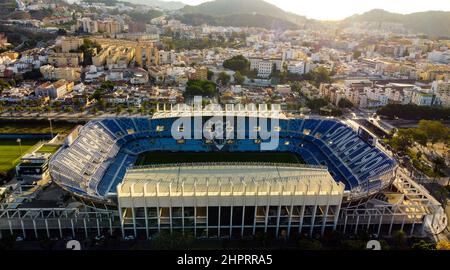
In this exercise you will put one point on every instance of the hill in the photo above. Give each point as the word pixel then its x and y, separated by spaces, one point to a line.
pixel 434 23
pixel 253 13
pixel 166 5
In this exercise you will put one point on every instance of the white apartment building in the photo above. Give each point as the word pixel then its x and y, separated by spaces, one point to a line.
pixel 87 25
pixel 441 90
pixel 265 68
pixel 422 98
pixel 439 57
pixel 262 65
pixel 299 67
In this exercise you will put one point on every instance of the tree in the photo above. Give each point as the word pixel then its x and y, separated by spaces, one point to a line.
pixel 237 63
pixel 34 74
pixel 316 104
pixel 321 75
pixel 399 238
pixel 119 109
pixel 169 241
pixel 402 140
pixel 356 54
pixel 438 164
pixel 210 75
pixel 223 78
pixel 423 245
pixel 200 88
pixel 102 104
pixel 414 112
pixel 443 245
pixel 354 244
pixel 345 103
pixel 238 78
pixel 434 130
pixel 309 244
pixel 419 136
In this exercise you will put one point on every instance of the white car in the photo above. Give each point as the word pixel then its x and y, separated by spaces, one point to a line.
pixel 129 237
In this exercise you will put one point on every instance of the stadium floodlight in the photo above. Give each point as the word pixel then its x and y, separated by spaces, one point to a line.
pixel 51 127
pixel 19 141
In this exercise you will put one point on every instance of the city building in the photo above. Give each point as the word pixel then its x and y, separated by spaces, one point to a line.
pixel 147 54
pixel 66 73
pixel 69 44
pixel 54 90
pixel 65 59
pixel 87 25
pixel 441 91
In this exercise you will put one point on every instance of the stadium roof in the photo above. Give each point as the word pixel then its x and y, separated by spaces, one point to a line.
pixel 252 110
pixel 228 179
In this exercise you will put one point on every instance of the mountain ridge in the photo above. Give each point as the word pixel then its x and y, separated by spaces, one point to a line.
pixel 225 8
pixel 432 22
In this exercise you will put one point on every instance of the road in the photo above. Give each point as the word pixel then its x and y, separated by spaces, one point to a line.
pixel 85 116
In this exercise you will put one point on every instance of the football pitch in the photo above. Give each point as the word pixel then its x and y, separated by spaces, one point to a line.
pixel 10 152
pixel 150 158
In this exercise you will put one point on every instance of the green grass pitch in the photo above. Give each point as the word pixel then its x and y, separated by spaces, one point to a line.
pixel 10 152
pixel 150 158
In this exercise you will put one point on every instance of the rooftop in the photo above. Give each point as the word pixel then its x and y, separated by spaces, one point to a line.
pixel 228 179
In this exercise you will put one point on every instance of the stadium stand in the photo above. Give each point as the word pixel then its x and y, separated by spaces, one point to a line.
pixel 97 160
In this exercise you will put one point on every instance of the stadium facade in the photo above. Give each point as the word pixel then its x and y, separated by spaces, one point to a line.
pixel 348 183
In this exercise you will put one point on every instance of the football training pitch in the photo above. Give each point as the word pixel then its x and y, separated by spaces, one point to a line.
pixel 150 158
pixel 10 152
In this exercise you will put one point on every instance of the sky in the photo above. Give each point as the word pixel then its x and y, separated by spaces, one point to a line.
pixel 340 9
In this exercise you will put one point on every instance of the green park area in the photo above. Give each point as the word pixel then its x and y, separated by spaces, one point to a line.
pixel 10 153
pixel 35 127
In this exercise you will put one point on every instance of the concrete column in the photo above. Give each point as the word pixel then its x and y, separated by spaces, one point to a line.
pixel 110 227
pixel 218 222
pixel 73 228
pixel 345 223
pixel 302 216
pixel 133 214
pixel 336 216
pixel 10 227
pixel 98 227
pixel 46 228
pixel 60 229
pixel 146 221
pixel 313 221
pixel 243 219
pixel 412 226
pixel 254 220
pixel 170 218
pixel 182 217
pixel 290 220
pixel 278 220
pixel 85 228
pixel 23 229
pixel 231 220
pixel 121 221
pixel 392 224
pixel 325 215
pixel 379 225
pixel 158 214
pixel 195 220
pixel 357 222
pixel 266 220
pixel 35 229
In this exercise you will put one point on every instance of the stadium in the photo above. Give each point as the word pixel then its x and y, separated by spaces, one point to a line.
pixel 321 175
